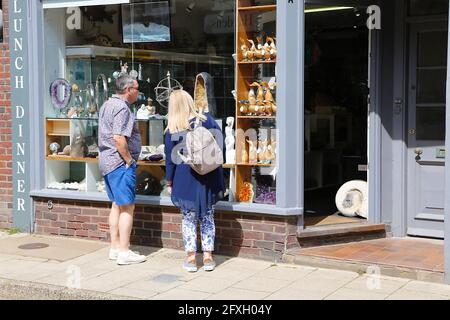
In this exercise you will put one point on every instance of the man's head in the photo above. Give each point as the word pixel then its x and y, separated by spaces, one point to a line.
pixel 128 88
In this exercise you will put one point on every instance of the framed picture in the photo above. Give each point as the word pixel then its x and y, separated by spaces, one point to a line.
pixel 146 22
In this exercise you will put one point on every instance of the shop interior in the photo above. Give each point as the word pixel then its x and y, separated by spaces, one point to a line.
pixel 166 45
pixel 336 90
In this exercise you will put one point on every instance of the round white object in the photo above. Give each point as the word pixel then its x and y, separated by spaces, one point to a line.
pixel 352 199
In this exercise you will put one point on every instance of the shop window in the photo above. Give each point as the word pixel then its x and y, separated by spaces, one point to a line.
pixel 153 40
pixel 1 21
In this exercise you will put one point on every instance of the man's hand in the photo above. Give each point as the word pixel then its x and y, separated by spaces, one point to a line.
pixel 122 148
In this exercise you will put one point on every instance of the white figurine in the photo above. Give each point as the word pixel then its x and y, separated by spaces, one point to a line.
pixel 143 113
pixel 230 154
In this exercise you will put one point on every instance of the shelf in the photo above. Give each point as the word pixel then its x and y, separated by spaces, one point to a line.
pixel 256 165
pixel 67 158
pixel 149 163
pixel 257 117
pixel 271 7
pixel 228 166
pixel 57 134
pixel 256 62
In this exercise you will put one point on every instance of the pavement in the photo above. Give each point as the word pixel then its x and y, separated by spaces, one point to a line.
pixel 76 269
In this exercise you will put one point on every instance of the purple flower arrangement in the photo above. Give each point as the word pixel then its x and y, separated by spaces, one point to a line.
pixel 264 195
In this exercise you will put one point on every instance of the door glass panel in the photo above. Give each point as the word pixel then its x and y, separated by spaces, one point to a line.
pixel 430 123
pixel 431 86
pixel 427 7
pixel 430 54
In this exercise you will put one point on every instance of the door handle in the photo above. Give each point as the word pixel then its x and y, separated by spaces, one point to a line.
pixel 418 151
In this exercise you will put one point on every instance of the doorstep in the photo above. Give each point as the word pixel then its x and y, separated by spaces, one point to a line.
pixel 340 233
pixel 412 258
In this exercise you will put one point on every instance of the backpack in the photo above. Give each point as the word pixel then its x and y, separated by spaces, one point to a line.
pixel 204 154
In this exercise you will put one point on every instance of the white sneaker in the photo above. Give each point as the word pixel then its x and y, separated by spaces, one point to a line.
pixel 113 254
pixel 129 257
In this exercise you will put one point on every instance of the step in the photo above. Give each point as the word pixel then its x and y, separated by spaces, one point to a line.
pixel 341 233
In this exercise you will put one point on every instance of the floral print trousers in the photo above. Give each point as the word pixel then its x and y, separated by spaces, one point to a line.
pixel 207 230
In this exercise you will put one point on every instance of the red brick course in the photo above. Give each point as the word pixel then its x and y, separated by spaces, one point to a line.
pixel 237 234
pixel 5 128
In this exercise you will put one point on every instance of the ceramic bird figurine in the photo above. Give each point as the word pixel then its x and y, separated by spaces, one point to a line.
pixel 269 102
pixel 244 153
pixel 244 50
pixel 251 51
pixel 260 52
pixel 252 152
pixel 273 51
pixel 267 49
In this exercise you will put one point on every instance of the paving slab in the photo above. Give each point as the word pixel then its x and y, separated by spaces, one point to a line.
pixel 262 284
pixel 204 284
pixel 60 249
pixel 352 294
pixel 238 294
pixel 405 294
pixel 182 294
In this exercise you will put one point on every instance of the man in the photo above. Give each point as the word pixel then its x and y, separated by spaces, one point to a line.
pixel 119 143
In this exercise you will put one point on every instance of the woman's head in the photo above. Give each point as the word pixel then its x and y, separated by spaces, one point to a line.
pixel 181 108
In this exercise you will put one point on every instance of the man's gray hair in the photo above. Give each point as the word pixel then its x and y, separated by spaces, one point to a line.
pixel 124 82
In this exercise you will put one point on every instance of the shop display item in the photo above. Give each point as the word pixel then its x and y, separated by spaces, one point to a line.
pixel 143 113
pixel 150 107
pixel 273 48
pixel 60 93
pixel 101 186
pixel 230 153
pixel 265 195
pixel 269 101
pixel 146 184
pixel 244 152
pixel 68 185
pixel 101 90
pixel 165 88
pixel 252 152
pixel 65 152
pixel 251 51
pixel 244 50
pixel 90 100
pixel 246 193
pixel 352 199
pixel 78 146
pixel 204 99
pixel 54 147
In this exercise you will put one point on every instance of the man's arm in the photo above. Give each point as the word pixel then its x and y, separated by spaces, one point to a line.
pixel 122 148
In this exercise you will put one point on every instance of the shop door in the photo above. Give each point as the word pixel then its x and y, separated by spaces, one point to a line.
pixel 426 129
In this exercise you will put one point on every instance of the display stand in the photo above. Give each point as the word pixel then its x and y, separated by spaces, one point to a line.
pixel 251 68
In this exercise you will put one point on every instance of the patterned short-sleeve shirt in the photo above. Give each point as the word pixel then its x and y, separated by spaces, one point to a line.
pixel 116 118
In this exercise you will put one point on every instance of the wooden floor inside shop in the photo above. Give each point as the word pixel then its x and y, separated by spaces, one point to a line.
pixel 315 220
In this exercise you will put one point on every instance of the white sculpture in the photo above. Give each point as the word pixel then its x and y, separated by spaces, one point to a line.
pixel 230 154
pixel 143 113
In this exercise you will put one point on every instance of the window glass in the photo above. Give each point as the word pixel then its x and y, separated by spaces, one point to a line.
pixel 87 47
pixel 1 21
pixel 430 123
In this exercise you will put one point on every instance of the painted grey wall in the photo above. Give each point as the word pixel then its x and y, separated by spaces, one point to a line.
pixel 20 110
pixel 290 78
pixel 386 109
pixel 447 173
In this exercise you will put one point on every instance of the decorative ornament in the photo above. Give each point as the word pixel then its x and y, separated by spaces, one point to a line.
pixel 54 147
pixel 165 88
pixel 246 193
pixel 101 90
pixel 90 98
pixel 60 93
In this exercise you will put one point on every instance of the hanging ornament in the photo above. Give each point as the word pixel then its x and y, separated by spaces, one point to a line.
pixel 165 88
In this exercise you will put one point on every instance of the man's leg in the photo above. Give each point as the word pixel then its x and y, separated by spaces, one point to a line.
pixel 114 226
pixel 125 226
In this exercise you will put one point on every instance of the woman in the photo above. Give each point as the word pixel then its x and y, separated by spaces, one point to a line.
pixel 194 194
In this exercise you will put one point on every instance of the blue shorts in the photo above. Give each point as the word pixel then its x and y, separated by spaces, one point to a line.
pixel 121 185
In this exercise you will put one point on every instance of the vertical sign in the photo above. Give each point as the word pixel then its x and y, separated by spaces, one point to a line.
pixel 18 47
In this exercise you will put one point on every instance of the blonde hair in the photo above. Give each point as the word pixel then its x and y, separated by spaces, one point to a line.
pixel 181 107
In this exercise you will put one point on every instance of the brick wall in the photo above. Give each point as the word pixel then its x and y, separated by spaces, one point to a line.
pixel 237 234
pixel 5 128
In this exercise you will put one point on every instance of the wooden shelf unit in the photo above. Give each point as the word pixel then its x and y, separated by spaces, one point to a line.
pixel 245 75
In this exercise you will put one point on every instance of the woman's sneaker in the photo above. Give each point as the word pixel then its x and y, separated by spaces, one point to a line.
pixel 190 266
pixel 209 264
pixel 113 254
pixel 129 257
